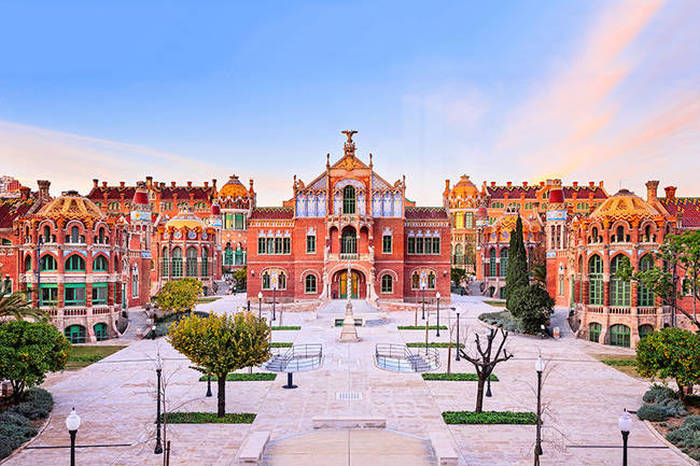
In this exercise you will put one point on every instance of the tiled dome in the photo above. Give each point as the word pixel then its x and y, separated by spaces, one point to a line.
pixel 624 205
pixel 185 219
pixel 233 188
pixel 71 205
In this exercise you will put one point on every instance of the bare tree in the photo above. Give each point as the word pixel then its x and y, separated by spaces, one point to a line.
pixel 484 360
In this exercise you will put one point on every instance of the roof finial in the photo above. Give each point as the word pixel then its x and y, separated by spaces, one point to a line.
pixel 349 144
pixel 349 133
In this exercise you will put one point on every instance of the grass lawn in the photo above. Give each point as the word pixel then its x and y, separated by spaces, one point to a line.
pixel 83 356
pixel 210 418
pixel 281 344
pixel 287 327
pixel 623 363
pixel 496 303
pixel 489 417
pixel 236 377
pixel 455 377
pixel 208 299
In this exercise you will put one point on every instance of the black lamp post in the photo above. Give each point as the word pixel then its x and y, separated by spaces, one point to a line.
pixel 153 332
pixel 437 298
pixel 457 358
pixel 539 367
pixel 274 300
pixel 625 425
pixel 422 289
pixel 427 326
pixel 208 385
pixel 259 304
pixel 488 386
pixel 159 446
pixel 72 423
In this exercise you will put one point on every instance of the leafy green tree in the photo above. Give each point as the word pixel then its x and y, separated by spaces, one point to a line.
pixel 28 350
pixel 670 353
pixel 18 306
pixel 241 277
pixel 533 306
pixel 219 344
pixel 179 296
pixel 517 272
pixel 679 253
pixel 457 274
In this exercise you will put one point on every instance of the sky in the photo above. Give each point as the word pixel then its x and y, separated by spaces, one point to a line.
pixel 585 90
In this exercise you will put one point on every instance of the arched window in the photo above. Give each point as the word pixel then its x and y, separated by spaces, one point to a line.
pixel 348 200
pixel 48 262
pixel 100 264
pixel 504 262
pixel 177 262
pixel 75 334
pixel 101 236
pixel 645 297
pixel 620 335
pixel 310 283
pixel 648 236
pixel 48 238
pixel 619 289
pixel 75 236
pixel 191 268
pixel 595 277
pixel 620 234
pixel 348 243
pixel 28 263
pixel 266 280
pixel 228 255
pixel 164 263
pixel 281 281
pixel 238 256
pixel 431 281
pixel 415 281
pixel 100 332
pixel 594 329
pixel 205 262
pixel 387 283
pixel 492 262
pixel 75 263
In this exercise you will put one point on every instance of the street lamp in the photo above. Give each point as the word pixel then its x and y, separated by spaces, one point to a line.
pixel 437 298
pixel 72 423
pixel 153 332
pixel 208 385
pixel 422 289
pixel 159 369
pixel 539 367
pixel 625 425
pixel 259 304
pixel 274 299
pixel 457 358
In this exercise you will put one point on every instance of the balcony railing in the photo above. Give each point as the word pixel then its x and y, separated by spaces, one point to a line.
pixel 648 310
pixel 595 309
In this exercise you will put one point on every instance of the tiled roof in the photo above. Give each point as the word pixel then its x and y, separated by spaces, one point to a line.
pixel 272 213
pixel 584 191
pixel 514 192
pixel 12 208
pixel 166 193
pixel 426 213
pixel 688 206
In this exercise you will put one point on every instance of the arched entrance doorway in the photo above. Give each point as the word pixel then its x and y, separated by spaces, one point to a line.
pixel 357 288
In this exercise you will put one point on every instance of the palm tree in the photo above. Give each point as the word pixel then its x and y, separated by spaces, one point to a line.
pixel 17 306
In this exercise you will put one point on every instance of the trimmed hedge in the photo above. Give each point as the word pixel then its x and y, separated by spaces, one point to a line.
pixel 489 417
pixel 281 344
pixel 456 377
pixel 287 327
pixel 432 344
pixel 209 418
pixel 235 377
pixel 16 422
pixel 421 327
pixel 619 362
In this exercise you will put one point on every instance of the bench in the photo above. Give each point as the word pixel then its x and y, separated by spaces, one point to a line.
pixel 442 446
pixel 348 423
pixel 251 451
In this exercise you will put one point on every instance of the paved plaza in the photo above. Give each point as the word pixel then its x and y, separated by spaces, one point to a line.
pixel 584 398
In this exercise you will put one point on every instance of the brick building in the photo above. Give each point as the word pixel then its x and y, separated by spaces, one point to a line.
pixel 348 215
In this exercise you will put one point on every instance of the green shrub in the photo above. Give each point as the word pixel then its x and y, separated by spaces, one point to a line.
pixel 432 344
pixel 287 327
pixel 502 319
pixel 15 429
pixel 281 344
pixel 687 436
pixel 654 413
pixel 658 393
pixel 532 305
pixel 235 377
pixel 210 418
pixel 456 376
pixel 489 417
pixel 36 404
pixel 674 408
pixel 421 327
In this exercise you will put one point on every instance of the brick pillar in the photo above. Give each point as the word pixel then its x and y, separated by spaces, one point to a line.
pixel 88 294
pixel 606 293
pixel 61 295
pixel 634 291
pixel 110 294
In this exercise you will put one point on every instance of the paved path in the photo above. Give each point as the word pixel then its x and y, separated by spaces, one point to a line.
pixel 115 399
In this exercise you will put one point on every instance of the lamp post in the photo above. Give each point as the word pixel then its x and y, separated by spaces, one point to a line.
pixel 422 289
pixel 208 385
pixel 427 326
pixel 457 358
pixel 488 386
pixel 72 423
pixel 153 331
pixel 159 369
pixel 437 298
pixel 625 425
pixel 259 304
pixel 274 299
pixel 539 367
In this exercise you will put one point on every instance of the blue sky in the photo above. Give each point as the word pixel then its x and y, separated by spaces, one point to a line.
pixel 584 90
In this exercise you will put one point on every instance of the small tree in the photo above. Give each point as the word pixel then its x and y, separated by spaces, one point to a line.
pixel 28 350
pixel 485 360
pixel 670 353
pixel 18 306
pixel 457 275
pixel 241 277
pixel 517 272
pixel 533 306
pixel 179 296
pixel 220 344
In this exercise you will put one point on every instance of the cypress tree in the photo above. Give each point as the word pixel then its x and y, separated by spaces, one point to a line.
pixel 516 273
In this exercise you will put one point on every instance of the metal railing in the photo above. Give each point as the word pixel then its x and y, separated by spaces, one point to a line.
pixel 399 358
pixel 298 358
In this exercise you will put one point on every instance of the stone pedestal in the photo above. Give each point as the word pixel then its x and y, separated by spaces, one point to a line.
pixel 349 332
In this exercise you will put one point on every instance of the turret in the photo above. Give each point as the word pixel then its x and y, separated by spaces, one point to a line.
pixel 140 215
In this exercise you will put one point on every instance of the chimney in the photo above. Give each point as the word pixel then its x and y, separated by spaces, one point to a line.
pixel 43 188
pixel 121 184
pixel 600 183
pixel 541 183
pixel 525 184
pixel 575 184
pixel 95 182
pixel 670 193
pixel 250 183
pixel 591 184
pixel 149 181
pixel 206 184
pixel 24 192
pixel 493 184
pixel 509 183
pixel 172 183
pixel 652 187
pixel 213 182
pixel 189 184
pixel 447 185
pixel 104 184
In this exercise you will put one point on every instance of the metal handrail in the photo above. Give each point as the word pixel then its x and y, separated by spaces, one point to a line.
pixel 298 358
pixel 399 358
